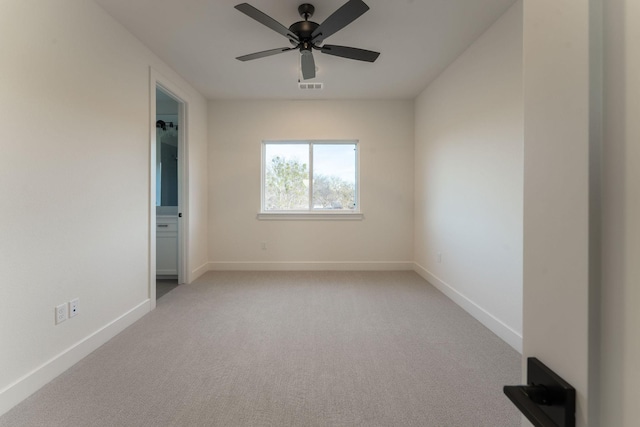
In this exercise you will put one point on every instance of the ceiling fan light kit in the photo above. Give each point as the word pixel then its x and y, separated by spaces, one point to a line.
pixel 306 35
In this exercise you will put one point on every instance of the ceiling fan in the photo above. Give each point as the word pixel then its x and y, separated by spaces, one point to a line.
pixel 308 35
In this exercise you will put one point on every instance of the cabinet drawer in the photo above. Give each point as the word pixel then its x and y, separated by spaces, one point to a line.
pixel 167 226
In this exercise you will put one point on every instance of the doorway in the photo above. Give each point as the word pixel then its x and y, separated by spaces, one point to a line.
pixel 168 189
pixel 168 142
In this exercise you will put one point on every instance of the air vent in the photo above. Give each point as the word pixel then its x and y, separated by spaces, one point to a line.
pixel 310 86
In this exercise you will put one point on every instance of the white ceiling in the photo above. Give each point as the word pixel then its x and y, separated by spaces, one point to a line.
pixel 200 39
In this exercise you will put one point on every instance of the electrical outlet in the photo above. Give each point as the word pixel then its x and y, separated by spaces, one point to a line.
pixel 439 257
pixel 73 307
pixel 263 245
pixel 61 313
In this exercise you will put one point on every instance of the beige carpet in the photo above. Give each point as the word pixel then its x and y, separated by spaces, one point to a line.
pixel 290 349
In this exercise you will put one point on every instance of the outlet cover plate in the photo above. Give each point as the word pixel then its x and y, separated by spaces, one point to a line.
pixel 61 313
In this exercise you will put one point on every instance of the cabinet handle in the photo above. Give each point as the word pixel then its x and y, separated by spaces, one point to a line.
pixel 163 225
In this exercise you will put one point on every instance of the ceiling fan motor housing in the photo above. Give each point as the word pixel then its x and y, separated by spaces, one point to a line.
pixel 304 29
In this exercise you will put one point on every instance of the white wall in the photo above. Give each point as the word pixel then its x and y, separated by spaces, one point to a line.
pixel 74 185
pixel 620 327
pixel 469 179
pixel 382 240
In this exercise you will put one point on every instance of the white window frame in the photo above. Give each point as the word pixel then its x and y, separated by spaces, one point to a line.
pixel 310 213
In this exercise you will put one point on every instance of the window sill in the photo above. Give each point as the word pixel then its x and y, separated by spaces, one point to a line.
pixel 310 216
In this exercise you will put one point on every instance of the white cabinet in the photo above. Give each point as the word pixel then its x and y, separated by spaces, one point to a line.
pixel 166 245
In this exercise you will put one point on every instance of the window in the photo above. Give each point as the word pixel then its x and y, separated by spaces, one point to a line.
pixel 307 177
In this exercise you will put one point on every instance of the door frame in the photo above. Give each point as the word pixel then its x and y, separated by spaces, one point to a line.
pixel 157 80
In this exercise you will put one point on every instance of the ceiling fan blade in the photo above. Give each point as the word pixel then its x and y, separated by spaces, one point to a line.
pixel 350 52
pixel 349 12
pixel 308 65
pixel 265 19
pixel 264 53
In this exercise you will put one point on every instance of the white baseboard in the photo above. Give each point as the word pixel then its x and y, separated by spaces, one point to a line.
pixel 511 337
pixel 34 380
pixel 311 266
pixel 199 271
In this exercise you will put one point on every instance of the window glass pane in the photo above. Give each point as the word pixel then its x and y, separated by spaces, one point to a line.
pixel 334 176
pixel 286 177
